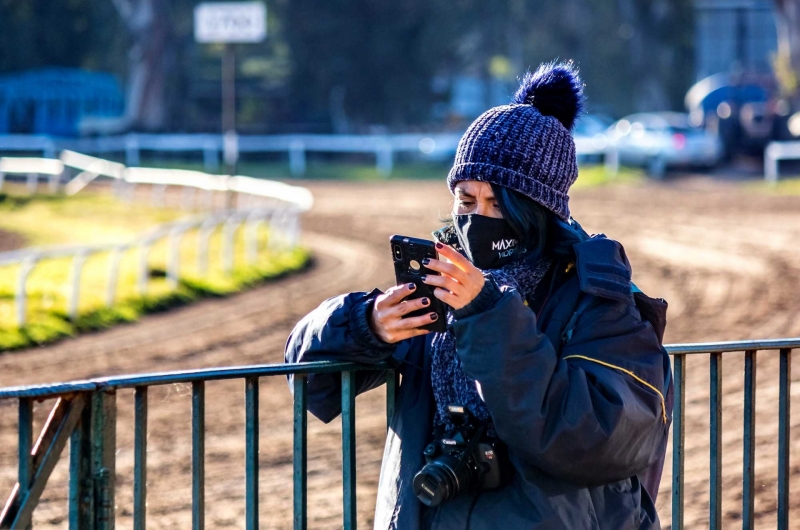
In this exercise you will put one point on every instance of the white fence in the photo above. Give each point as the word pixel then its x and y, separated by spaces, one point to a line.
pixel 774 153
pixel 383 147
pixel 250 203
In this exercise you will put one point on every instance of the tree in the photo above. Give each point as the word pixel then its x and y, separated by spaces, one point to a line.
pixel 787 61
pixel 150 59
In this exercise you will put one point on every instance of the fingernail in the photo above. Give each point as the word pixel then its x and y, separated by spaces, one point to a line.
pixel 439 245
pixel 411 286
pixel 423 277
pixel 425 301
pixel 426 261
pixel 434 316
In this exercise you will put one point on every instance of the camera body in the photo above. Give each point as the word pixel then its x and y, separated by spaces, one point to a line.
pixel 462 460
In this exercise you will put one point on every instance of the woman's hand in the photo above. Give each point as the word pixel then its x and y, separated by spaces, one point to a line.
pixel 387 320
pixel 460 280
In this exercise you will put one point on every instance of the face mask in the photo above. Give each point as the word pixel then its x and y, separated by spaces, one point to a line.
pixel 488 242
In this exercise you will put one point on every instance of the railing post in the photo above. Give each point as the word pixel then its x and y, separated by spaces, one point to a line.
pixel 33 183
pixel 251 453
pixel 113 274
pixel 104 448
pixel 300 460
pixel 349 449
pixel 21 296
pixel 198 455
pixel 81 485
pixel 784 441
pixel 131 150
pixel 144 270
pixel 715 443
pixel 384 158
pixel 749 457
pixel 25 469
pixel 140 458
pixel 75 284
pixel 297 158
pixel 174 259
pixel 678 441
pixel 228 242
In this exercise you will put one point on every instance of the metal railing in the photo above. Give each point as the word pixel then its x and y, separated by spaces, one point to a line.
pixel 85 414
pixel 679 352
pixel 256 202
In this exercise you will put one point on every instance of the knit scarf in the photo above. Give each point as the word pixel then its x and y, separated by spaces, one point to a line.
pixel 451 386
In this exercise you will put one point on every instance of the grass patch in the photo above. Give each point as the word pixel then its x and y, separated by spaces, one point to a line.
pixel 596 175
pixel 86 218
pixel 48 220
pixel 785 186
pixel 590 175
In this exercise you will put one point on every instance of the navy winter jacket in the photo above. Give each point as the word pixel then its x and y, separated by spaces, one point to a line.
pixel 579 389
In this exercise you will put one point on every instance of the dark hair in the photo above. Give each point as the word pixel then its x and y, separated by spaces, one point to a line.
pixel 530 220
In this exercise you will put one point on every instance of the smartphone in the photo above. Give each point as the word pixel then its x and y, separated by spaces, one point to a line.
pixel 408 253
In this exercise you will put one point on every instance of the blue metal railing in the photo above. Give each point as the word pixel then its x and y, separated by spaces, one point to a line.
pixel 85 414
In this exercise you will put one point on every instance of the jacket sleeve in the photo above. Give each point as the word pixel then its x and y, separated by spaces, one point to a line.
pixel 338 330
pixel 579 415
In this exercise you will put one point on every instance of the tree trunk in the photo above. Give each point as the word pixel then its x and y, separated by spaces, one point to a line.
pixel 787 65
pixel 149 62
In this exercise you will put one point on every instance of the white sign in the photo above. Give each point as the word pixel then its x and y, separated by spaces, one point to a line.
pixel 230 22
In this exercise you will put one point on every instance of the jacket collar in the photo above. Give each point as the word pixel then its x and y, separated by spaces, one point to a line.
pixel 603 269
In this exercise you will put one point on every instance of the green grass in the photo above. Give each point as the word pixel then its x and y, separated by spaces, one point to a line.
pixel 596 175
pixel 48 284
pixel 590 175
pixel 785 186
pixel 87 218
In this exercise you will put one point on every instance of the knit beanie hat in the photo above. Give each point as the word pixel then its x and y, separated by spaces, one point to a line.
pixel 527 146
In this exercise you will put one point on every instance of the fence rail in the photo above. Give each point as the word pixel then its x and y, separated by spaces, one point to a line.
pixel 249 202
pixel 213 146
pixel 85 414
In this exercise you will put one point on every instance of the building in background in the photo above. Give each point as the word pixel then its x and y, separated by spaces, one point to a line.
pixel 54 101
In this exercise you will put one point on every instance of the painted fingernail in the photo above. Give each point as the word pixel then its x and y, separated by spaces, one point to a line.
pixel 425 301
pixel 434 316
pixel 426 261
pixel 423 277
pixel 439 245
pixel 411 286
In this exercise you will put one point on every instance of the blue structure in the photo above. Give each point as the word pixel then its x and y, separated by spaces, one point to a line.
pixel 53 101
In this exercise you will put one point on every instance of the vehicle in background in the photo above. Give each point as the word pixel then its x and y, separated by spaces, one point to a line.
pixel 661 140
pixel 590 137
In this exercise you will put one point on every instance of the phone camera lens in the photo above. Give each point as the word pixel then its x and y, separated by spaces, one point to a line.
pixel 398 253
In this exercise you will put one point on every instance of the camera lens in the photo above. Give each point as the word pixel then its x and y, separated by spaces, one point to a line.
pixel 441 480
pixel 398 252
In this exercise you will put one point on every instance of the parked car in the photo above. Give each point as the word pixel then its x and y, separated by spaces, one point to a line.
pixel 661 140
pixel 590 137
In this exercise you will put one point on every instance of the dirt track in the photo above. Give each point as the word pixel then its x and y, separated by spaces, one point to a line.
pixel 728 262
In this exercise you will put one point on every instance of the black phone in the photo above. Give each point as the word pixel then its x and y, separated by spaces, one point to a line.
pixel 408 253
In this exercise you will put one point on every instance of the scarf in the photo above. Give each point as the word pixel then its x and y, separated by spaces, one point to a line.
pixel 451 386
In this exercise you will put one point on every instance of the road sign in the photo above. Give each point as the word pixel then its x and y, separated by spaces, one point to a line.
pixel 226 22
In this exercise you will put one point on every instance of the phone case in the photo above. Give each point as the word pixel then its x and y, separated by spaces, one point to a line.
pixel 407 254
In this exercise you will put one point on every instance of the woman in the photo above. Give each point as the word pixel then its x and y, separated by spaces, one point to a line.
pixel 549 344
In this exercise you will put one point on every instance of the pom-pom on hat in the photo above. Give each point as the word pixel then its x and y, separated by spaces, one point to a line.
pixel 527 146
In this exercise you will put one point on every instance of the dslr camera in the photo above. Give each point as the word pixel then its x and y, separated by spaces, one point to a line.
pixel 463 460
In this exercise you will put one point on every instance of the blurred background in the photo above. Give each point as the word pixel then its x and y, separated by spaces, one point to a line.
pixel 90 67
pixel 208 190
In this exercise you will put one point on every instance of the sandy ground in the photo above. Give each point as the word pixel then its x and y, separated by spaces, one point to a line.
pixel 727 260
pixel 10 241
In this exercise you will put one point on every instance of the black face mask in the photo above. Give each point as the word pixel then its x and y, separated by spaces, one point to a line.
pixel 488 242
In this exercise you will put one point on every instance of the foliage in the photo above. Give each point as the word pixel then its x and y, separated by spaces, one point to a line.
pixel 353 64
